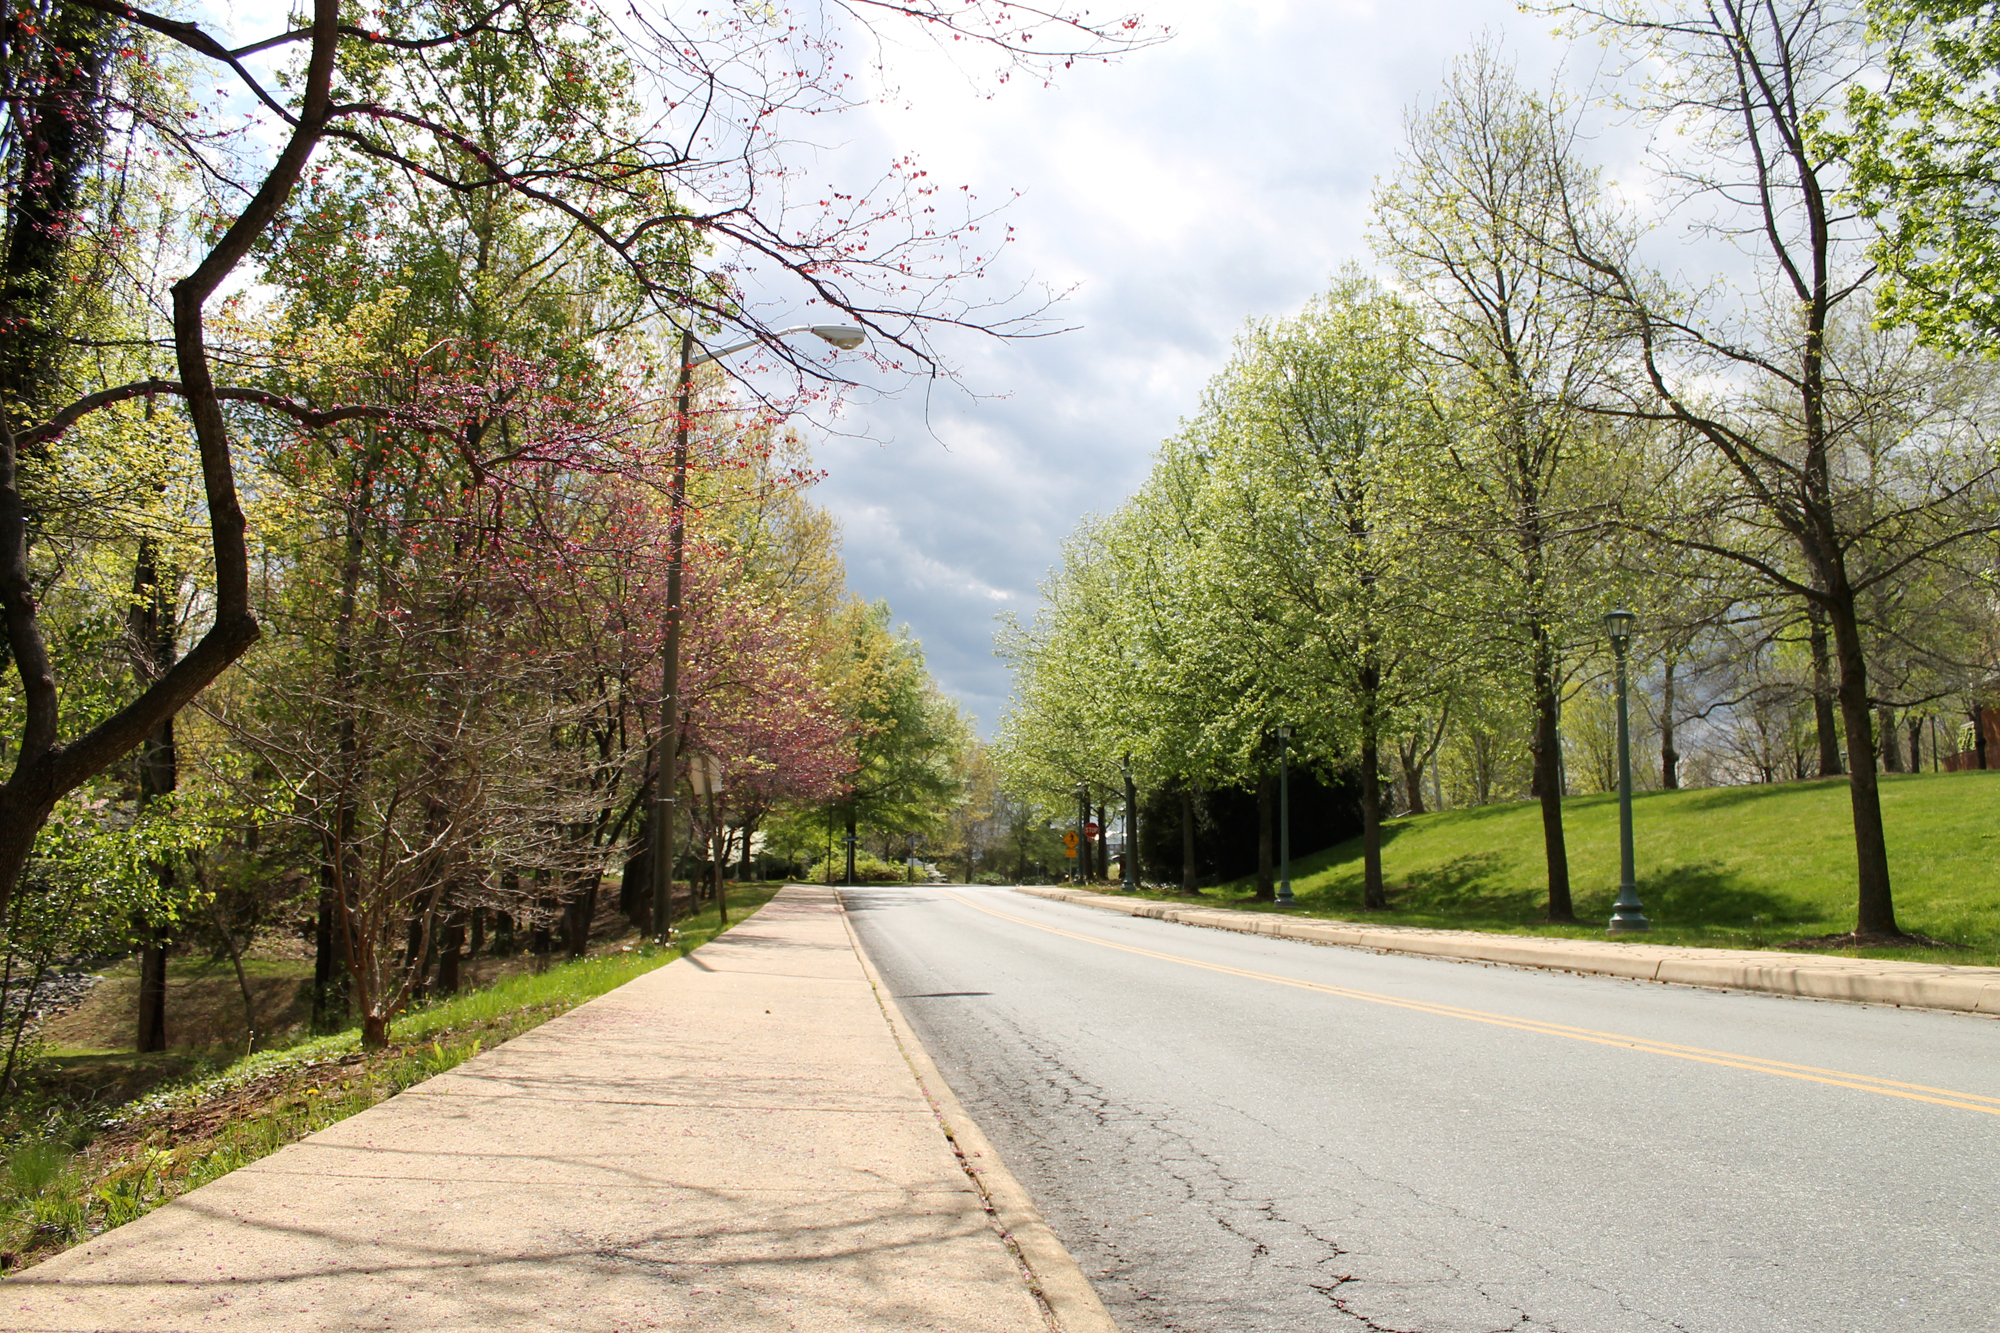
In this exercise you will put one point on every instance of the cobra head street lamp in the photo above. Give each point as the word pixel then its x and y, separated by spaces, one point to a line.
pixel 846 337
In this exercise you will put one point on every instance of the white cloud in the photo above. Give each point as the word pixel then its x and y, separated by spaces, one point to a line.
pixel 1183 191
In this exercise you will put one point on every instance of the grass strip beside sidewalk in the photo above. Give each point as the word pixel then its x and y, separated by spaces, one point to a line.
pixel 76 1181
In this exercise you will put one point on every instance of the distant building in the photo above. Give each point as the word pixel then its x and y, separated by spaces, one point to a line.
pixel 1985 751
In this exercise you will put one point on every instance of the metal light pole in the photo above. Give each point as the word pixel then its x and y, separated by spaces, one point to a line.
pixel 1626 916
pixel 665 785
pixel 1285 898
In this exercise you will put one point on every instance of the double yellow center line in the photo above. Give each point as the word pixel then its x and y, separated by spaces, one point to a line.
pixel 1916 1092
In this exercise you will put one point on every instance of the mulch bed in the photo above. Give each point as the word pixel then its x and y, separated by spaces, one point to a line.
pixel 1855 939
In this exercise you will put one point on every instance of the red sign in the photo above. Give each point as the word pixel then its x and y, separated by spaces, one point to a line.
pixel 1090 829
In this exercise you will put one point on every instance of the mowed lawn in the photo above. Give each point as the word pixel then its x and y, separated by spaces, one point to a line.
pixel 1734 867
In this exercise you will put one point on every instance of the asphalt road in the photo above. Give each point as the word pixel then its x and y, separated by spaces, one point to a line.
pixel 1236 1134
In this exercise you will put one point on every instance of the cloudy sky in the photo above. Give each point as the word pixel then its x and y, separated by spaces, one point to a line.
pixel 1186 189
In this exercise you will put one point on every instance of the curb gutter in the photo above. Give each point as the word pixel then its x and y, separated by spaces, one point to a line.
pixel 1972 990
pixel 1059 1284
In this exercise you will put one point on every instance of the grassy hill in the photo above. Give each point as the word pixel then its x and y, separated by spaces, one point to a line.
pixel 1734 867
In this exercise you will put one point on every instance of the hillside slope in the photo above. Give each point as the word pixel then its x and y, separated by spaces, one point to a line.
pixel 1734 866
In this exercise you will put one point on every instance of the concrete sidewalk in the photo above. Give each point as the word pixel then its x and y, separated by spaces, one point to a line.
pixel 1814 976
pixel 737 1141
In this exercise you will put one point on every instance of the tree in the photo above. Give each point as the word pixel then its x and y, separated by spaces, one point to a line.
pixel 910 740
pixel 1320 431
pixel 1471 223
pixel 1065 732
pixel 1823 504
pixel 651 194
pixel 1924 163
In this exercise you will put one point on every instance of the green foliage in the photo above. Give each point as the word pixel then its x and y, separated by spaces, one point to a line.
pixel 910 738
pixel 1924 157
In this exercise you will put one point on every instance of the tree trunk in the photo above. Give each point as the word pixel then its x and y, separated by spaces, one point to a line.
pixel 1086 869
pixel 450 952
pixel 374 1030
pixel 1892 750
pixel 152 997
pixel 1670 758
pixel 1267 879
pixel 720 857
pixel 414 961
pixel 1875 910
pixel 150 623
pixel 325 964
pixel 1190 881
pixel 851 835
pixel 1131 826
pixel 1823 694
pixel 1411 759
pixel 635 888
pixel 1548 779
pixel 1373 897
pixel 1916 725
pixel 579 909
pixel 1979 735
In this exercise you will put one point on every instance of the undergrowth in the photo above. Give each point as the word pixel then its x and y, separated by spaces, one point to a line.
pixel 68 1178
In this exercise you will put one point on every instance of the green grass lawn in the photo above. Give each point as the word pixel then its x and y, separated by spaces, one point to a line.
pixel 1730 867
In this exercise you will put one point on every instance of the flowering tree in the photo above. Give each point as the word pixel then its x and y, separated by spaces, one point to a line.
pixel 690 164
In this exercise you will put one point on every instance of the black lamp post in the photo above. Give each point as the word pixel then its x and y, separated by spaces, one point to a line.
pixel 1626 914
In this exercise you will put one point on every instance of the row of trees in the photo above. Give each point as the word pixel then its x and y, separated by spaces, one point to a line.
pixel 350 358
pixel 1398 516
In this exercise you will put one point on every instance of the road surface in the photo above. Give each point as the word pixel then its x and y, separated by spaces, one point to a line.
pixel 1234 1133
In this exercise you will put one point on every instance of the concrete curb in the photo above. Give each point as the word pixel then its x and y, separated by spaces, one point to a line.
pixel 1071 1304
pixel 1972 990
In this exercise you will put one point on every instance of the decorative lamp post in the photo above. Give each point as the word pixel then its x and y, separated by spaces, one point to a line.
pixel 666 759
pixel 1626 916
pixel 1285 898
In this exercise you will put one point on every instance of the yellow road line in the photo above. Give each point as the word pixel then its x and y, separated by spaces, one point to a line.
pixel 1916 1092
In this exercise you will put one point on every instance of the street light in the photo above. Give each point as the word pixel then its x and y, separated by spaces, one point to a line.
pixel 1285 898
pixel 844 336
pixel 1626 916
